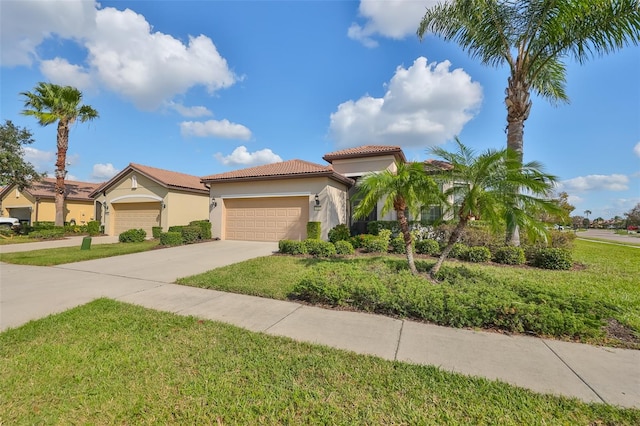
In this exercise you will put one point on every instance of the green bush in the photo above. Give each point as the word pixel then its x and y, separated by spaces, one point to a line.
pixel 132 236
pixel 175 228
pixel 358 241
pixel 509 255
pixel 375 226
pixel 459 251
pixel 292 247
pixel 171 238
pixel 313 230
pixel 344 248
pixel 156 231
pixel 553 258
pixel 398 246
pixel 339 233
pixel 430 247
pixel 75 229
pixel 319 248
pixel 205 228
pixel 379 243
pixel 40 225
pixel 93 228
pixel 48 234
pixel 478 254
pixel 190 234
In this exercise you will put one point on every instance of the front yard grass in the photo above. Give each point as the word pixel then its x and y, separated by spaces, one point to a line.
pixel 112 363
pixel 61 255
pixel 576 305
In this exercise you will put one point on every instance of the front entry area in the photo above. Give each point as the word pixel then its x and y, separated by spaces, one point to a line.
pixel 266 219
pixel 136 216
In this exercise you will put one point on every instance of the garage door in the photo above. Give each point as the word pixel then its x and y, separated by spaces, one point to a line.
pixel 136 216
pixel 266 219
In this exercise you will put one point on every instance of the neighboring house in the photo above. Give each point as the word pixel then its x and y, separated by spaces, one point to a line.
pixel 37 204
pixel 141 197
pixel 276 201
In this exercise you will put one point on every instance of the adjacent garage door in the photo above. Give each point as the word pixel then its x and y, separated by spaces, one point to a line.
pixel 266 219
pixel 136 216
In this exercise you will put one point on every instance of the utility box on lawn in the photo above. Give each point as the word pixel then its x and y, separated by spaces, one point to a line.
pixel 86 243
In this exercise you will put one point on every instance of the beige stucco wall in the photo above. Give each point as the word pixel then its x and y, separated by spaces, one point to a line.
pixel 360 166
pixel 44 210
pixel 333 205
pixel 184 207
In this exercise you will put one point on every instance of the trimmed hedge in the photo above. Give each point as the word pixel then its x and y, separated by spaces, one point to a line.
pixel 509 255
pixel 205 228
pixel 133 236
pixel 344 248
pixel 314 230
pixel 339 233
pixel 48 234
pixel 430 247
pixel 93 228
pixel 319 248
pixel 477 254
pixel 190 234
pixel 553 258
pixel 156 231
pixel 292 247
pixel 377 243
pixel 170 238
pixel 459 251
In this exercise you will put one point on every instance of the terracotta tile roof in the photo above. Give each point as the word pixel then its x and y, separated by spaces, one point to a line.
pixel 366 151
pixel 437 165
pixel 166 178
pixel 281 170
pixel 74 190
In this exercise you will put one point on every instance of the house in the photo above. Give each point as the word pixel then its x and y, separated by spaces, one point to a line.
pixel 276 201
pixel 37 204
pixel 141 197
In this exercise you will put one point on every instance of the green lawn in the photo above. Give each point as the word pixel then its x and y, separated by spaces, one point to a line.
pixel 112 363
pixel 15 239
pixel 567 304
pixel 58 256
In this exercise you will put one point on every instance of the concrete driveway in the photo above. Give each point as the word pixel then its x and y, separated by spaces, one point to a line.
pixel 31 292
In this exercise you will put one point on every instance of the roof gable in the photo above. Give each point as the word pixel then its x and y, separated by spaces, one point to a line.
pixel 74 190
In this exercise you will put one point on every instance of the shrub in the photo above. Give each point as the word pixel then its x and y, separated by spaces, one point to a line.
pixel 358 241
pixel 339 233
pixel 430 247
pixel 132 236
pixel 458 251
pixel 156 231
pixel 93 228
pixel 313 230
pixel 478 254
pixel 48 234
pixel 75 229
pixel 190 234
pixel 319 248
pixel 292 247
pixel 509 255
pixel 40 225
pixel 344 247
pixel 175 228
pixel 398 246
pixel 553 258
pixel 170 238
pixel 205 228
pixel 379 243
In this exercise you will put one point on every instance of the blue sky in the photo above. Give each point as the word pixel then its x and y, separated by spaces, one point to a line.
pixel 203 87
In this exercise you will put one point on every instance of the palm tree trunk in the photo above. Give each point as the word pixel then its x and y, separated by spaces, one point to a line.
pixel 453 238
pixel 518 107
pixel 61 161
pixel 404 227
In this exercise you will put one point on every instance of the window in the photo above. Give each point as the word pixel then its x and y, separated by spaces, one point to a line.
pixel 430 214
pixel 134 182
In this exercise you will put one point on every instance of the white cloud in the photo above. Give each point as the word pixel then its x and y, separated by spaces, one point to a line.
pixel 215 128
pixel 64 73
pixel 20 36
pixel 391 18
pixel 103 171
pixel 124 54
pixel 636 149
pixel 615 182
pixel 71 177
pixel 425 105
pixel 190 112
pixel 241 157
pixel 42 161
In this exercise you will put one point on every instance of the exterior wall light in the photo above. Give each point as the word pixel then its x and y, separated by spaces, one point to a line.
pixel 214 203
pixel 317 206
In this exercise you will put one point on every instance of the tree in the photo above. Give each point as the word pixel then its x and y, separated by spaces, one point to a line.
pixel 633 216
pixel 406 189
pixel 14 170
pixel 533 38
pixel 50 103
pixel 499 189
pixel 586 219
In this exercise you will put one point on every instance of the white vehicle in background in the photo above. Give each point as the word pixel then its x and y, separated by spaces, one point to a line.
pixel 9 222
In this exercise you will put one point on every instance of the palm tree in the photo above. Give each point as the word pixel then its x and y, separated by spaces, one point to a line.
pixel 406 189
pixel 496 187
pixel 533 37
pixel 50 103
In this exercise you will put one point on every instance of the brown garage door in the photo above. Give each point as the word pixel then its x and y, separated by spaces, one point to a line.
pixel 266 219
pixel 136 216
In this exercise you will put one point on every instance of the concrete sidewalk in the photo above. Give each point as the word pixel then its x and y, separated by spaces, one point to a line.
pixel 65 242
pixel 592 374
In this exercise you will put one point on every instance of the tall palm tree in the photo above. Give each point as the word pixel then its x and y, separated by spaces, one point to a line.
pixel 408 188
pixel 496 187
pixel 533 38
pixel 50 103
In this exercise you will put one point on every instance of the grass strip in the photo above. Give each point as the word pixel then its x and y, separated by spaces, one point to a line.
pixel 61 255
pixel 108 362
